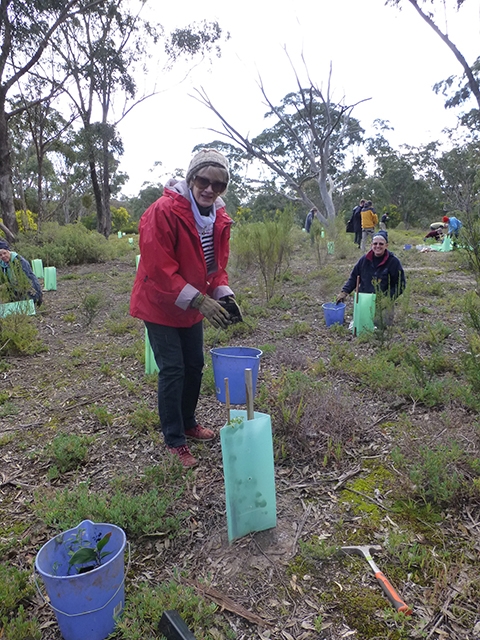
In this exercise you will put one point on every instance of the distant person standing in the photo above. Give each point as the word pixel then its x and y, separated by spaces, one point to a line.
pixel 383 222
pixel 369 220
pixel 181 279
pixel 356 221
pixel 309 219
pixel 454 226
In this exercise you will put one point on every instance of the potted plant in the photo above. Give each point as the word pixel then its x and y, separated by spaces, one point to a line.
pixel 85 588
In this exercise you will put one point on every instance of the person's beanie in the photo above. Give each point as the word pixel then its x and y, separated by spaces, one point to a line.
pixel 207 158
pixel 446 219
pixel 381 234
pixel 3 244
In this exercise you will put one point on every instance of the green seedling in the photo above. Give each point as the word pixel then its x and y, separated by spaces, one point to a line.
pixel 92 556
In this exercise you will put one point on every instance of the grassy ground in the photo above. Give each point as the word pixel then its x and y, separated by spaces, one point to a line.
pixel 376 441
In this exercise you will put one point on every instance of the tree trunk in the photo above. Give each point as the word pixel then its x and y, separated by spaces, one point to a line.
pixel 107 218
pixel 97 194
pixel 7 206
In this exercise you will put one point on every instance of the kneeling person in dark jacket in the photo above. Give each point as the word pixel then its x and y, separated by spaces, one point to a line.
pixel 378 270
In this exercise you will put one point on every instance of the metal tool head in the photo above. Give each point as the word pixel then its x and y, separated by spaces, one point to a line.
pixel 362 550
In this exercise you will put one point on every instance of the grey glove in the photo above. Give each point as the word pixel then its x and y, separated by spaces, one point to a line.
pixel 342 296
pixel 229 303
pixel 212 310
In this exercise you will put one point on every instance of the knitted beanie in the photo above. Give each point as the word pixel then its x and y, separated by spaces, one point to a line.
pixel 3 244
pixel 446 219
pixel 207 158
pixel 381 234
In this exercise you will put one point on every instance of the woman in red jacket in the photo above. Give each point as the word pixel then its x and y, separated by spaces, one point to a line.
pixel 182 278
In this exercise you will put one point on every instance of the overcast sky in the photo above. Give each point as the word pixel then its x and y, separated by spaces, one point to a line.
pixel 376 52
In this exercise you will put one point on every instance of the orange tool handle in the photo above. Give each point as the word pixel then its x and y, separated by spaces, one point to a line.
pixel 392 595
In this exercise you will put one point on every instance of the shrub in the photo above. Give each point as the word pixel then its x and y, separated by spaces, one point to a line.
pixel 120 219
pixel 15 286
pixel 19 336
pixel 267 245
pixel 66 245
pixel 146 604
pixel 68 451
pixel 26 220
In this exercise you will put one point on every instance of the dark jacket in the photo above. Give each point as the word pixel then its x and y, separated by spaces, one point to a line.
pixel 387 273
pixel 308 221
pixel 357 218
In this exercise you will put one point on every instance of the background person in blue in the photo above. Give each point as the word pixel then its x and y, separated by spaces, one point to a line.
pixel 12 267
pixel 454 226
pixel 309 219
pixel 378 269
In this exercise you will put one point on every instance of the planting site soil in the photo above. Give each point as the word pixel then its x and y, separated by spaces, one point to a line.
pixel 335 474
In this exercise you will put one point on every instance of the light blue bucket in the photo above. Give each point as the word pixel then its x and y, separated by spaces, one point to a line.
pixel 231 362
pixel 334 313
pixel 88 604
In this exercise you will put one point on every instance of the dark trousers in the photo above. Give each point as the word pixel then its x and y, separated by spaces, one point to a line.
pixel 358 237
pixel 179 356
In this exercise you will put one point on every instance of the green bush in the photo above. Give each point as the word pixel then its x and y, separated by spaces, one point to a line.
pixel 146 604
pixel 266 245
pixel 66 245
pixel 15 586
pixel 15 286
pixel 68 451
pixel 152 511
pixel 19 336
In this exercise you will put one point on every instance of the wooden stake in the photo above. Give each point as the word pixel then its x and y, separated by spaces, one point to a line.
pixel 356 301
pixel 249 393
pixel 227 398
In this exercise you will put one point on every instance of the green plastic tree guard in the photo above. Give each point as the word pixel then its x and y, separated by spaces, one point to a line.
pixel 247 454
pixel 130 241
pixel 150 364
pixel 26 307
pixel 446 244
pixel 119 234
pixel 37 268
pixel 363 312
pixel 330 248
pixel 50 278
pixel 137 260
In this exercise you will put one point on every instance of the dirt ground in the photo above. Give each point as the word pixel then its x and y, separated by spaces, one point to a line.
pixel 52 392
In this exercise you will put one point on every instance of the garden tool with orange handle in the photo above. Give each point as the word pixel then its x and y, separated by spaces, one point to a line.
pixel 392 595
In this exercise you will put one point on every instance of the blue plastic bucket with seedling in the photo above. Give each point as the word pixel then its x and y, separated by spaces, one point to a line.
pixel 333 313
pixel 87 596
pixel 231 362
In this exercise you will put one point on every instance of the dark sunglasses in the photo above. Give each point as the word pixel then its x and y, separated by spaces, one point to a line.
pixel 204 183
pixel 378 244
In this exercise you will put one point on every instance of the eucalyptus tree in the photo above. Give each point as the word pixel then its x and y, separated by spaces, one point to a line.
pixel 99 51
pixel 26 30
pixel 471 72
pixel 106 52
pixel 305 146
pixel 398 184
pixel 38 130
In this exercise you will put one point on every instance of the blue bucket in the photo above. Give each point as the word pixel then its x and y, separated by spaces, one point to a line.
pixel 334 313
pixel 231 362
pixel 86 605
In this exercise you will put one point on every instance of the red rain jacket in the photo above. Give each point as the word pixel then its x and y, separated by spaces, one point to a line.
pixel 172 266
